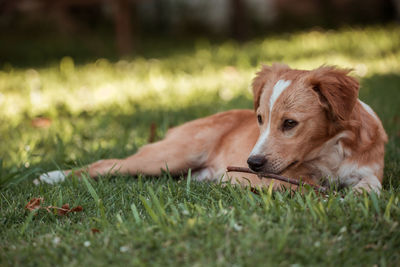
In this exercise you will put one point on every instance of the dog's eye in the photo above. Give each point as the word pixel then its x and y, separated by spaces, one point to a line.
pixel 289 124
pixel 259 118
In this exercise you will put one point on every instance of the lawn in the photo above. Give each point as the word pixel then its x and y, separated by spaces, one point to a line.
pixel 73 107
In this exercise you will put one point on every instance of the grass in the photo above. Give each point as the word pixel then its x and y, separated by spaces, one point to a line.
pixel 103 108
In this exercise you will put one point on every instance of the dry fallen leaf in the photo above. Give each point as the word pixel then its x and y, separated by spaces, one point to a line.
pixel 34 204
pixel 64 210
pixel 41 122
pixel 95 231
pixel 76 209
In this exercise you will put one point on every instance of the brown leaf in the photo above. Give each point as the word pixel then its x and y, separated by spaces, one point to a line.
pixel 41 122
pixel 34 204
pixel 76 209
pixel 95 231
pixel 63 210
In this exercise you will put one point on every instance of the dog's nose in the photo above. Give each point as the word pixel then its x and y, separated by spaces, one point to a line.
pixel 256 162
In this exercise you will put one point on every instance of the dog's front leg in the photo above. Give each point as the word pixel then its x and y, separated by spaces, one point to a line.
pixel 98 168
pixel 177 153
pixel 101 167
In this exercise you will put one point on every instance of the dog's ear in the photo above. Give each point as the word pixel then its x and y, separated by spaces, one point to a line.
pixel 337 91
pixel 262 77
pixel 258 84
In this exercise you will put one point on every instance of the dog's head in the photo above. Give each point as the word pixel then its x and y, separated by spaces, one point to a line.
pixel 297 112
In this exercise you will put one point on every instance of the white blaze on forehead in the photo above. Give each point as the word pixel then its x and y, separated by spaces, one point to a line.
pixel 278 89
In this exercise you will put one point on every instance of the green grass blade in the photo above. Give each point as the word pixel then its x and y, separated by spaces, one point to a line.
pixel 388 207
pixel 149 210
pixel 91 190
pixel 135 213
pixel 375 202
pixel 188 180
pixel 156 203
pixel 27 221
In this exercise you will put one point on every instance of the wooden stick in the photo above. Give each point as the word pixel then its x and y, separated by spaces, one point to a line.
pixel 276 177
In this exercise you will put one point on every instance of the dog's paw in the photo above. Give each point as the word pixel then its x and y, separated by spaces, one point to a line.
pixel 360 188
pixel 52 177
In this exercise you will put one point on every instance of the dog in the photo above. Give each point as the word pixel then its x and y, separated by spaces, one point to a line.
pixel 308 125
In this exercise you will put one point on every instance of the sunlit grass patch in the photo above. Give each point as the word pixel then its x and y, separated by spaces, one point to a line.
pixel 225 68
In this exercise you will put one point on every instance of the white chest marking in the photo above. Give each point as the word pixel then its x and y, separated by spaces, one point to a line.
pixel 368 109
pixel 278 89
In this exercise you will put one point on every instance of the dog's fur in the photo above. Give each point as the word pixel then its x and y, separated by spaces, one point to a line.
pixel 311 125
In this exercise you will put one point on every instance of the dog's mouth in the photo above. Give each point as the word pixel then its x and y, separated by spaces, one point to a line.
pixel 272 171
pixel 288 167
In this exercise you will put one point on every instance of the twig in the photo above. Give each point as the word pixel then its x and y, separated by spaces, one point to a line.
pixel 277 177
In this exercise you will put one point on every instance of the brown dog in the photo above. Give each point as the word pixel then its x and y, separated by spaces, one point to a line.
pixel 307 124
